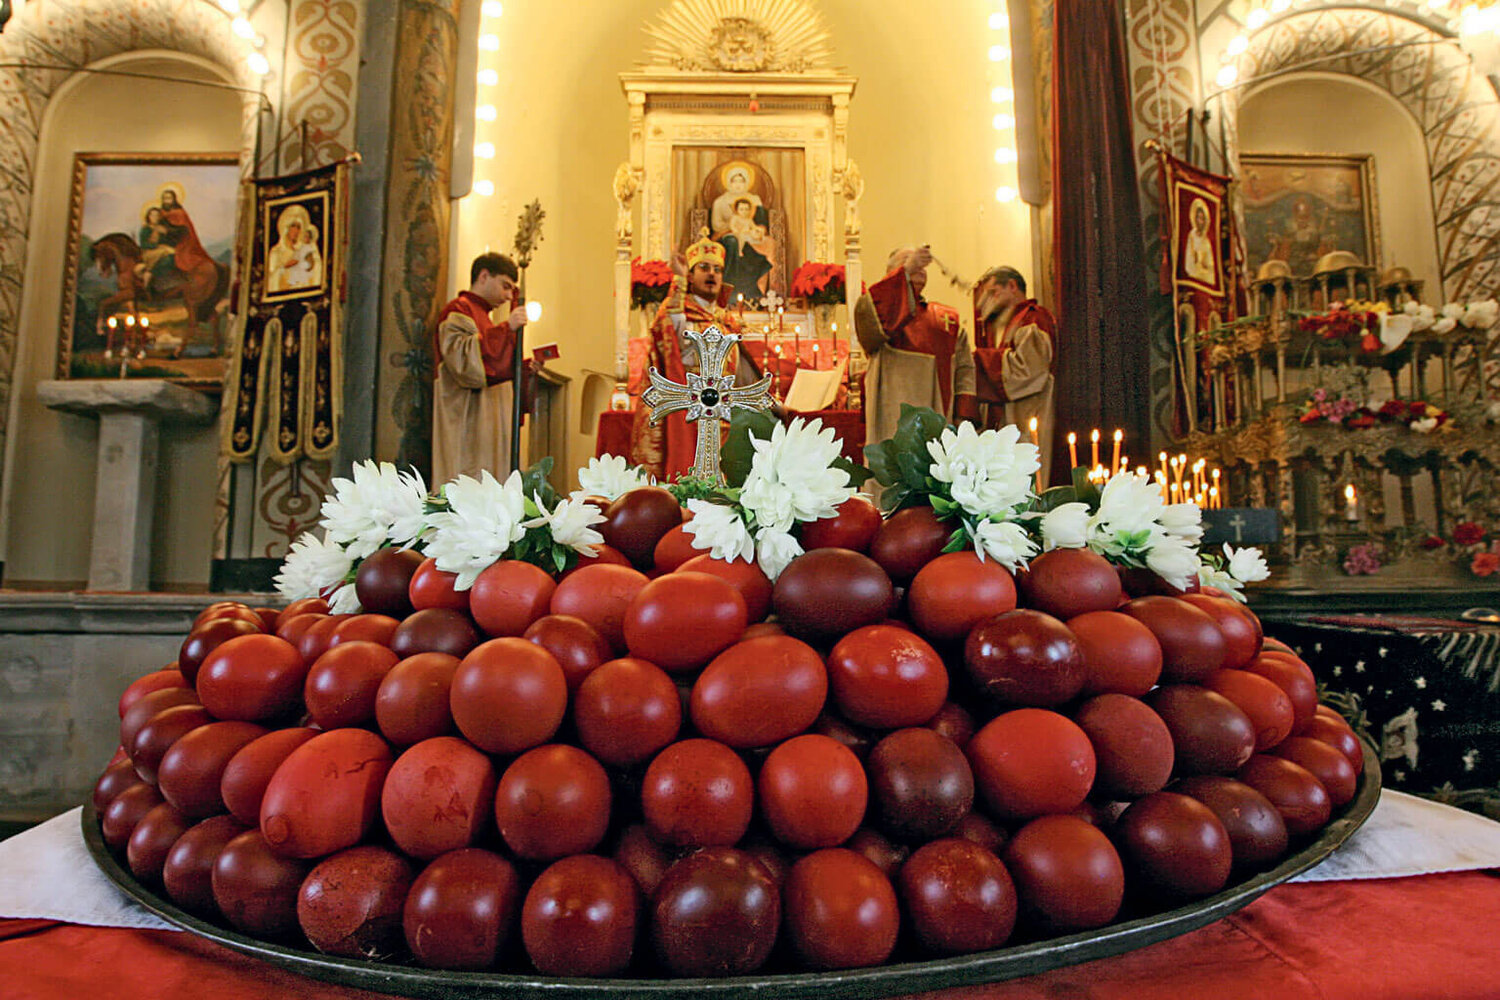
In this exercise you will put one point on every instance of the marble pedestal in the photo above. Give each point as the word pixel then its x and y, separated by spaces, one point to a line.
pixel 129 413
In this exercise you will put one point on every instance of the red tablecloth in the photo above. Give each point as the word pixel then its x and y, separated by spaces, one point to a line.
pixel 613 434
pixel 1432 936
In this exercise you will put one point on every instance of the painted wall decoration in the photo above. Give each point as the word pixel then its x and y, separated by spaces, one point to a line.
pixel 146 280
pixel 1299 207
pixel 322 73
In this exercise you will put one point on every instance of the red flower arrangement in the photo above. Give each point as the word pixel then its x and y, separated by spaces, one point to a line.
pixel 819 284
pixel 1349 324
pixel 1468 533
pixel 650 280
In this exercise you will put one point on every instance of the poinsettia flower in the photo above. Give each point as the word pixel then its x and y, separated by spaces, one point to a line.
pixel 1485 563
pixel 482 522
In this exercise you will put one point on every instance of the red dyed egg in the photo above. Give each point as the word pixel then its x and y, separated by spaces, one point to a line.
pixel 508 695
pixel 188 871
pixel 1241 629
pixel 1066 583
pixel 461 909
pixel 840 910
pixel 304 606
pixel 151 839
pixel 1209 732
pixel 364 628
pixel 192 771
pixel 1131 743
pixel 716 913
pixel 1120 655
pixel 576 645
pixel 697 793
pixel 682 620
pixel 1338 735
pixel 254 678
pixel 157 680
pixel 885 854
pixel 830 592
pixel 1025 657
pixel 746 577
pixel 341 687
pixel 579 918
pixel 626 711
pixel 599 595
pixel 324 797
pixel 552 802
pixel 959 897
pixel 438 797
pixel 351 903
pixel 209 636
pixel 759 692
pixel 125 810
pixel 412 702
pixel 675 548
pixel 886 677
pixel 812 792
pixel 1067 874
pixel 1030 762
pixel 431 587
pixel 909 540
pixel 256 889
pixel 147 707
pixel 1267 706
pixel 1257 833
pixel 117 777
pixel 1299 796
pixel 637 520
pixel 1326 763
pixel 158 735
pixel 510 595
pixel 1292 677
pixel 957 591
pixel 639 854
pixel 853 527
pixel 954 722
pixel 1176 844
pixel 248 772
pixel 1192 647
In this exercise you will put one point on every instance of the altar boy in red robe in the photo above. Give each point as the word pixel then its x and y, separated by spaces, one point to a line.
pixel 698 299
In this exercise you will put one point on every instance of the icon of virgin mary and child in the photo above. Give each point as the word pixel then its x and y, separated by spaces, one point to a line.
pixel 742 225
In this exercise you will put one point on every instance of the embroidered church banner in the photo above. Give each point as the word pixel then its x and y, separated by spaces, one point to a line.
pixel 286 374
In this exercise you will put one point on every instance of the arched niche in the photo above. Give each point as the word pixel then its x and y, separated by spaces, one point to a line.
pixel 50 457
pixel 1424 70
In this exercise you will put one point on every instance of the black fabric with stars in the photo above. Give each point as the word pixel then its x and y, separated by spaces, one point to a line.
pixel 1424 691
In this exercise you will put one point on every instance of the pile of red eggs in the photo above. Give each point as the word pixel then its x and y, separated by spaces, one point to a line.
pixel 662 764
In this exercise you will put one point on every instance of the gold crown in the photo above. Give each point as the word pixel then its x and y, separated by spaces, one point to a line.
pixel 704 250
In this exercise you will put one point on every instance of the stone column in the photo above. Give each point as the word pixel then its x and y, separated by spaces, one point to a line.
pixel 129 413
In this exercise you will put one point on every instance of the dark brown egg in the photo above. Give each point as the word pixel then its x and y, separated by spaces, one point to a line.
pixel 192 771
pixel 119 776
pixel 1066 583
pixel 351 902
pixel 1324 762
pixel 959 897
pixel 1175 844
pixel 256 889
pixel 921 784
pixel 1025 657
pixel 460 911
pixel 188 871
pixel 158 735
pixel 126 810
pixel 1257 833
pixel 1192 647
pixel 383 580
pixel 435 630
pixel 909 540
pixel 147 706
pixel 1131 743
pixel 982 831
pixel 579 918
pixel 954 722
pixel 1295 792
pixel 830 592
pixel 574 643
pixel 152 838
pixel 637 520
pixel 715 913
pixel 1210 734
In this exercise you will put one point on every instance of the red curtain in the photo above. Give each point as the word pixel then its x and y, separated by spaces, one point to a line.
pixel 1102 367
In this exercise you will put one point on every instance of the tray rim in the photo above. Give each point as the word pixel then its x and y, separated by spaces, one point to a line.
pixel 882 980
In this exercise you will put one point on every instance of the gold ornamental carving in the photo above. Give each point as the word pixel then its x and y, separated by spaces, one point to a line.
pixel 740 36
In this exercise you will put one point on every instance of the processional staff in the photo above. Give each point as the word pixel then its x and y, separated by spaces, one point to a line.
pixel 528 235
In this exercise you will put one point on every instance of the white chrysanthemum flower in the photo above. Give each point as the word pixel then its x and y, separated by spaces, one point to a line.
pixel 792 477
pixel 344 601
pixel 571 524
pixel 482 522
pixel 1210 575
pixel 1479 315
pixel 1065 527
pixel 379 506
pixel 1129 503
pixel 1452 310
pixel 609 476
pixel 988 473
pixel 720 530
pixel 1185 520
pixel 1444 324
pixel 312 566
pixel 1006 542
pixel 1172 559
pixel 1424 426
pixel 774 550
pixel 1246 564
pixel 1411 307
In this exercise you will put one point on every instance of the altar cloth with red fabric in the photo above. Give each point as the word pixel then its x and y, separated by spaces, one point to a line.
pixel 1375 939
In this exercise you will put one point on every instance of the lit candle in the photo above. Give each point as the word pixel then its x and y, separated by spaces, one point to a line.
pixel 1094 437
pixel 1213 491
pixel 1161 480
pixel 797 345
pixel 816 345
pixel 1351 504
pixel 1072 450
pixel 1162 460
pixel 1114 462
pixel 1032 427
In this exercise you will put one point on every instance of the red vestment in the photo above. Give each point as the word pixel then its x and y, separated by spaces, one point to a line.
pixel 989 357
pixel 497 341
pixel 912 323
pixel 189 252
pixel 668 449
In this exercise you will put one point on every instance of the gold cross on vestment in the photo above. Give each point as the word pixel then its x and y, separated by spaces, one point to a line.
pixel 709 397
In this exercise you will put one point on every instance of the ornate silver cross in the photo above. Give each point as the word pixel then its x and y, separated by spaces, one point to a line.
pixel 708 397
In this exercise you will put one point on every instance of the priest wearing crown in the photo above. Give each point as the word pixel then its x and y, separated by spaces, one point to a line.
pixel 919 351
pixel 698 299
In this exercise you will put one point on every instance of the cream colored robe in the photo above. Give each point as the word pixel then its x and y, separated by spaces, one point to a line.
pixel 1027 380
pixel 470 420
pixel 896 376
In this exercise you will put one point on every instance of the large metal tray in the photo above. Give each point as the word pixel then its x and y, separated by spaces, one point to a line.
pixel 886 980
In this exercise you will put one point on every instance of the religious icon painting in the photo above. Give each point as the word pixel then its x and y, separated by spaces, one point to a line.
pixel 294 233
pixel 151 240
pixel 1198 240
pixel 1299 207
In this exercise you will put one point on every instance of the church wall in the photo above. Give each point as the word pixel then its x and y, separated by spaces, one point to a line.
pixel 52 474
pixel 1355 118
pixel 919 129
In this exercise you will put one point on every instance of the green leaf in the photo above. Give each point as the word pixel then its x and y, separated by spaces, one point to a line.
pixel 882 459
pixel 858 474
pixel 958 541
pixel 896 497
pixel 942 506
pixel 917 426
pixel 738 451
pixel 534 482
pixel 913 470
pixel 560 557
pixel 1054 498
